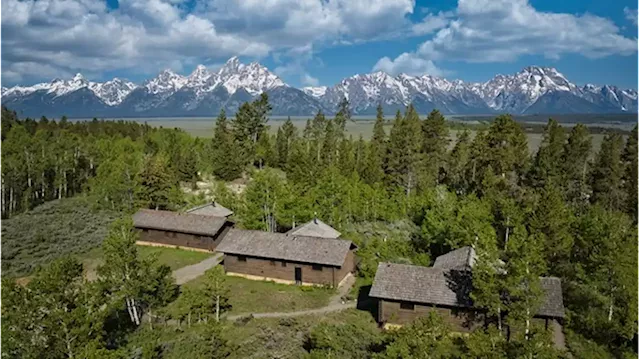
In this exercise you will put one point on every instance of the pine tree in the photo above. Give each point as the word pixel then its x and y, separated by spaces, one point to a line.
pixel 158 188
pixel 403 156
pixel 435 140
pixel 287 133
pixel 249 124
pixel 342 116
pixel 377 151
pixel 552 220
pixel 330 145
pixel 226 163
pixel 575 165
pixel 457 177
pixel 630 157
pixel 547 166
pixel 606 178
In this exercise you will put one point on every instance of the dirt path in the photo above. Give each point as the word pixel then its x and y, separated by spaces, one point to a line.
pixel 335 304
pixel 193 271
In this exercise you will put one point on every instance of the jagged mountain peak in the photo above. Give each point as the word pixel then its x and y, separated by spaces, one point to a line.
pixel 202 92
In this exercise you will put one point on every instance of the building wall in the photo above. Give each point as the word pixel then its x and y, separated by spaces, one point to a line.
pixel 266 268
pixel 182 239
pixel 460 320
pixel 347 267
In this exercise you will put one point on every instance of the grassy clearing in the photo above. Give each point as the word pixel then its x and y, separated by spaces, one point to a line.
pixel 172 257
pixel 250 296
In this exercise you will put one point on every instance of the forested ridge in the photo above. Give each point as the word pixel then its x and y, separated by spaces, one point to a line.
pixel 405 196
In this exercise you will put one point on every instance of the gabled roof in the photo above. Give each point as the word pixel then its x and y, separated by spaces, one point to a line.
pixel 178 222
pixel 417 284
pixel 315 228
pixel 211 209
pixel 460 258
pixel 448 286
pixel 282 246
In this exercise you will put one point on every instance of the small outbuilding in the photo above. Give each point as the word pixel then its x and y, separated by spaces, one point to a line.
pixel 185 230
pixel 314 228
pixel 286 258
pixel 406 292
pixel 211 209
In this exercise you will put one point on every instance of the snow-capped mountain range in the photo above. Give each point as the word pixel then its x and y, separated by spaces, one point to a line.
pixel 533 90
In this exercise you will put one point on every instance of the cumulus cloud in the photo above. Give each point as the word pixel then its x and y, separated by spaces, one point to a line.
pixel 147 35
pixel 631 15
pixel 408 63
pixel 504 30
pixel 431 23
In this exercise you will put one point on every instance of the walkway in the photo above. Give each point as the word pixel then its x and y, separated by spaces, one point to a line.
pixel 335 304
pixel 193 271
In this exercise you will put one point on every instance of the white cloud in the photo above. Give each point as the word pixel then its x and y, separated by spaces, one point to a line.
pixel 431 23
pixel 408 64
pixel 309 80
pixel 504 30
pixel 631 15
pixel 147 35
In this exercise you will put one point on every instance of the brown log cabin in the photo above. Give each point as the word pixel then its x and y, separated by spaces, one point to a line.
pixel 286 258
pixel 406 292
pixel 184 230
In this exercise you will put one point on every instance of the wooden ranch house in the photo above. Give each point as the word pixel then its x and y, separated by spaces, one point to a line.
pixel 287 258
pixel 185 230
pixel 406 292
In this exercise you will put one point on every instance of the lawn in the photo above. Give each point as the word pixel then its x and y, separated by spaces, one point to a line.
pixel 174 258
pixel 250 296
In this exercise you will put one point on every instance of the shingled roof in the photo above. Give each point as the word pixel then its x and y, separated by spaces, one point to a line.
pixel 460 258
pixel 178 222
pixel 211 209
pixel 315 228
pixel 552 304
pixel 415 284
pixel 439 286
pixel 282 246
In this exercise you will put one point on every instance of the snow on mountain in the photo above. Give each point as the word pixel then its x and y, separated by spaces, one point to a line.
pixel 316 92
pixel 112 92
pixel 167 82
pixel 203 92
pixel 254 78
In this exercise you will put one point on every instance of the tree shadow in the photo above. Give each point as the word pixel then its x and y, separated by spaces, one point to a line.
pixel 460 282
pixel 366 303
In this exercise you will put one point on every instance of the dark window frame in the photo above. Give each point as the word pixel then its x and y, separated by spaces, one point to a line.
pixel 242 258
pixel 284 264
pixel 407 306
pixel 317 267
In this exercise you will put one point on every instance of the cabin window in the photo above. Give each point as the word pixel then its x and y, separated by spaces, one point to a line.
pixel 145 231
pixel 317 267
pixel 273 263
pixel 284 264
pixel 242 259
pixel 407 306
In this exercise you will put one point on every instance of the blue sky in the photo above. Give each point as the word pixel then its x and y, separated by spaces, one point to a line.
pixel 319 42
